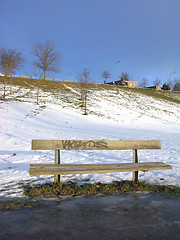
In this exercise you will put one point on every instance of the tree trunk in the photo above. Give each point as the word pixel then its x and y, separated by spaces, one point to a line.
pixel 44 75
pixel 38 94
pixel 11 85
pixel 4 96
pixel 85 113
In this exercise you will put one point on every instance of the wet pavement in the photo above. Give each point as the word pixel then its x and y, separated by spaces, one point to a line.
pixel 129 216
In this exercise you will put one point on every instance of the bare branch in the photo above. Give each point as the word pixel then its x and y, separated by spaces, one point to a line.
pixel 157 82
pixel 125 76
pixel 47 58
pixel 84 81
pixel 144 82
pixel 10 61
pixel 106 75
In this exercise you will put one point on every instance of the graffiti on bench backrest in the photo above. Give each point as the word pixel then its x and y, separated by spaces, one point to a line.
pixel 80 144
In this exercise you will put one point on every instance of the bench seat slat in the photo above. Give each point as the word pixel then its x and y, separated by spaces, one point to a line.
pixel 43 166
pixel 50 169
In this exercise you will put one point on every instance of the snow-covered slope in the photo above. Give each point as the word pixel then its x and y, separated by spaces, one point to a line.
pixel 113 114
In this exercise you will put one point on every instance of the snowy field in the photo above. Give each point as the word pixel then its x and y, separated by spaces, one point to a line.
pixel 118 116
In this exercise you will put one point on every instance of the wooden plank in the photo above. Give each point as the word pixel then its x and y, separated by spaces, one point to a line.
pixel 95 144
pixel 98 169
pixel 43 166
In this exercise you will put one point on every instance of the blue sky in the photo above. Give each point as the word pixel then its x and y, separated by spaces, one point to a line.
pixel 144 35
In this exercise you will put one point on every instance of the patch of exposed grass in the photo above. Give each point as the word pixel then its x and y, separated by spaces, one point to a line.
pixel 70 188
pixel 60 86
pixel 16 206
pixel 157 94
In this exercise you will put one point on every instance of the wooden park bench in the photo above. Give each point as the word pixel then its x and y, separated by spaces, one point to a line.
pixel 58 169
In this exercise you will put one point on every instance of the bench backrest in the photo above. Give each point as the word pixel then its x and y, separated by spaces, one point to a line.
pixel 95 144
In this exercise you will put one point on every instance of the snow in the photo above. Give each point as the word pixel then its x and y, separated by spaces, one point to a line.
pixel 113 115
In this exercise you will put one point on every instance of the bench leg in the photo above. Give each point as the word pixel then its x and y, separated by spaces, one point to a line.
pixel 57 179
pixel 57 161
pixel 135 160
pixel 135 176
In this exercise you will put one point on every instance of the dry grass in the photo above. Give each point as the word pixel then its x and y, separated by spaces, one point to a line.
pixel 64 88
pixel 70 188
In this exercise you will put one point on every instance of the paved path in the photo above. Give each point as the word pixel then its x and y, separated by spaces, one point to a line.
pixel 130 216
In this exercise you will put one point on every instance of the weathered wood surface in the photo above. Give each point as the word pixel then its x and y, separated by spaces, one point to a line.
pixel 57 161
pixel 95 144
pixel 135 160
pixel 51 169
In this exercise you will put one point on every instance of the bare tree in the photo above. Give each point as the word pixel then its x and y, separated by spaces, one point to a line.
pixel 144 82
pixel 157 82
pixel 125 76
pixel 84 84
pixel 176 86
pixel 47 58
pixel 106 75
pixel 174 82
pixel 170 84
pixel 10 61
pixel 37 73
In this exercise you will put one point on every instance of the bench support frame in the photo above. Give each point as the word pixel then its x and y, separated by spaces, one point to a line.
pixel 57 161
pixel 135 160
pixel 57 178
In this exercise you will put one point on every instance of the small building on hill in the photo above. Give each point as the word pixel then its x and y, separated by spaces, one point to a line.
pixel 124 83
pixel 157 88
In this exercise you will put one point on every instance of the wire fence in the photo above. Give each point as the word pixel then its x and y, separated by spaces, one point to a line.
pixel 50 79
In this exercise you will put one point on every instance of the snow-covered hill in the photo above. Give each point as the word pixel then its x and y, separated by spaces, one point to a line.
pixel 114 113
